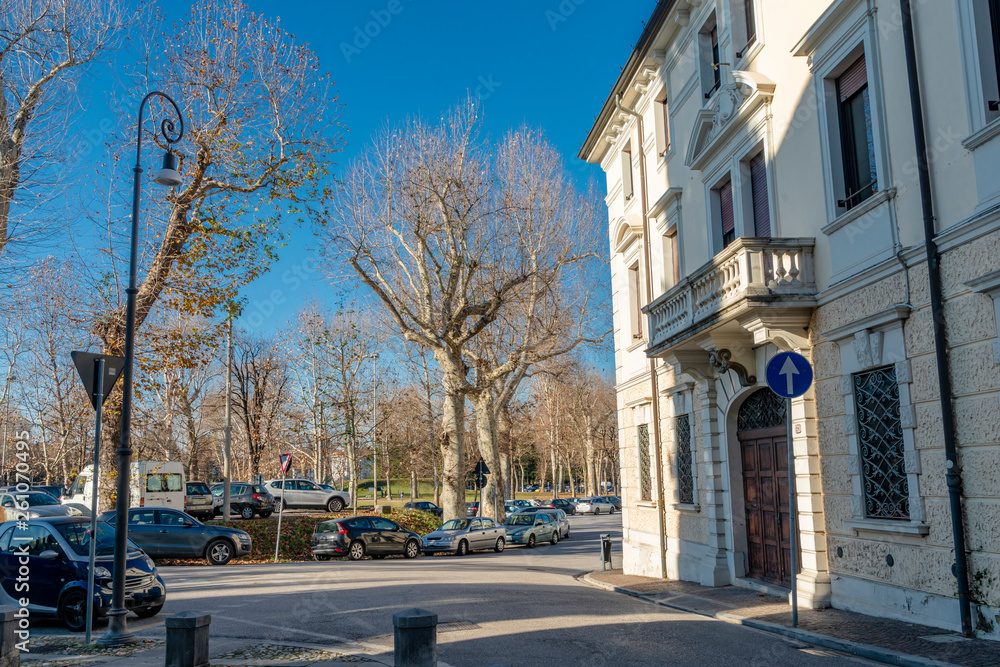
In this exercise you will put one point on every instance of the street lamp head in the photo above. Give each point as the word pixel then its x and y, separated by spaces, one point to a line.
pixel 167 176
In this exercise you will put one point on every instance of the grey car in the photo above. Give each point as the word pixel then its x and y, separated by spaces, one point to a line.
pixel 34 505
pixel 561 519
pixel 164 532
pixel 245 500
pixel 293 493
pixel 199 501
pixel 460 536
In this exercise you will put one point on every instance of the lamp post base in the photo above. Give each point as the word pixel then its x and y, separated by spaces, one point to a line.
pixel 117 634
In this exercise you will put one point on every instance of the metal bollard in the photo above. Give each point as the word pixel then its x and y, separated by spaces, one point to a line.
pixel 187 639
pixel 415 638
pixel 605 550
pixel 10 655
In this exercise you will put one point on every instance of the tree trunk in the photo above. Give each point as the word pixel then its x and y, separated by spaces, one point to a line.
pixel 437 486
pixel 486 430
pixel 414 491
pixel 452 435
pixel 555 486
pixel 589 463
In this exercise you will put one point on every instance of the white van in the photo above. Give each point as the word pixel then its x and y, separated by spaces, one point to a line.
pixel 153 484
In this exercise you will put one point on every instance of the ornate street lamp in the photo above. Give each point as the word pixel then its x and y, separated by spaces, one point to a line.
pixel 118 633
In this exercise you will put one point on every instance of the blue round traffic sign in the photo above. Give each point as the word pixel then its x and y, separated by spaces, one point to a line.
pixel 789 374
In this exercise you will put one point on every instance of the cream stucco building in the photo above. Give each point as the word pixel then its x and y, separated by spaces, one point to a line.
pixel 764 194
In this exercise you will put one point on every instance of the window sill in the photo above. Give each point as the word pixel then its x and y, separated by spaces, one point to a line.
pixel 636 344
pixel 887 527
pixel 859 211
pixel 749 52
pixel 687 507
pixel 977 139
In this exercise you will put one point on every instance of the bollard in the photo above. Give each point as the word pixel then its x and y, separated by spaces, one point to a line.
pixel 10 655
pixel 605 550
pixel 415 638
pixel 187 639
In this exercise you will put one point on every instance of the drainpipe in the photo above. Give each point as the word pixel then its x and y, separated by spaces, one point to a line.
pixel 654 384
pixel 953 473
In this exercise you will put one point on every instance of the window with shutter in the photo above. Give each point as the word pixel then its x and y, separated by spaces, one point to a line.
pixel 758 187
pixel 726 207
pixel 627 171
pixel 751 22
pixel 857 140
pixel 662 122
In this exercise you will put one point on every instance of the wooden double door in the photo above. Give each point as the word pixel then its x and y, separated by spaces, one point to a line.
pixel 764 454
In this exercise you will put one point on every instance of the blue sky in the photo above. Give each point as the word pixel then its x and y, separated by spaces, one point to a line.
pixel 545 63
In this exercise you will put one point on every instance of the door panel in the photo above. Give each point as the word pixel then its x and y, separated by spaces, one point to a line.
pixel 765 487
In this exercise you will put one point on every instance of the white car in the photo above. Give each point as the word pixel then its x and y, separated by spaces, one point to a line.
pixel 303 493
pixel 594 505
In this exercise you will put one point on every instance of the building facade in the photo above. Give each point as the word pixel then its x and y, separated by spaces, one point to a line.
pixel 764 194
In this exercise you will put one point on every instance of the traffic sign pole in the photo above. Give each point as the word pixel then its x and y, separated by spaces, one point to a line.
pixel 98 405
pixel 790 375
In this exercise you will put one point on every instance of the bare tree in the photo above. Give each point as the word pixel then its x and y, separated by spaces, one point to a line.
pixel 260 383
pixel 441 227
pixel 44 44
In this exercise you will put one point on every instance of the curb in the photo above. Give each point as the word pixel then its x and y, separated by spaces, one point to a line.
pixel 867 651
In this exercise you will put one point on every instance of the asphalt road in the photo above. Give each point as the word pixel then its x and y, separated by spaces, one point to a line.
pixel 520 607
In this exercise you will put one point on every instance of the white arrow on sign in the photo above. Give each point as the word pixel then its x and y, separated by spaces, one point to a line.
pixel 789 370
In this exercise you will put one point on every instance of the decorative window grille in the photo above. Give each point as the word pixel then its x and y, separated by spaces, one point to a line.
pixel 685 465
pixel 763 409
pixel 880 441
pixel 645 480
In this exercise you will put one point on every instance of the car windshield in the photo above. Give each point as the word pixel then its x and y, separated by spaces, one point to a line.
pixel 78 537
pixel 455 524
pixel 197 489
pixel 520 520
pixel 218 491
pixel 36 499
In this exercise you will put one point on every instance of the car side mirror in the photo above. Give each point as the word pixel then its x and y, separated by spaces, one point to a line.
pixel 188 524
pixel 49 554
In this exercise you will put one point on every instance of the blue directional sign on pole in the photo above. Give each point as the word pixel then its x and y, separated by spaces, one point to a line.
pixel 789 375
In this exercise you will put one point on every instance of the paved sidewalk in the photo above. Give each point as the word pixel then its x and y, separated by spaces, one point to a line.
pixel 66 650
pixel 893 642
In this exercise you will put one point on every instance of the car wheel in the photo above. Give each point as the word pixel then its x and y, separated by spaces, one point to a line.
pixel 499 546
pixel 148 612
pixel 264 515
pixel 555 538
pixel 612 510
pixel 335 505
pixel 356 551
pixel 597 510
pixel 320 557
pixel 463 548
pixel 246 512
pixel 73 611
pixel 567 535
pixel 219 552
pixel 412 549
pixel 531 542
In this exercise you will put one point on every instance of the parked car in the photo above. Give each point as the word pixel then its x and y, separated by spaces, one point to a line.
pixel 559 504
pixel 54 491
pixel 561 519
pixel 303 493
pixel 535 502
pixel 57 551
pixel 360 536
pixel 163 532
pixel 199 501
pixel 424 506
pixel 245 499
pixel 530 528
pixel 34 505
pixel 515 505
pixel 595 505
pixel 472 509
pixel 615 501
pixel 460 536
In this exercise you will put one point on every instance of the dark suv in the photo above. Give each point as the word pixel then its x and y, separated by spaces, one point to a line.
pixel 560 504
pixel 424 506
pixel 246 500
pixel 360 536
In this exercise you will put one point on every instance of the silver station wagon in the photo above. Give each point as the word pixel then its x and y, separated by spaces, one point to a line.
pixel 460 536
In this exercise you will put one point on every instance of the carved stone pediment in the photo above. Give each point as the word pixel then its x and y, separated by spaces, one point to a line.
pixel 716 122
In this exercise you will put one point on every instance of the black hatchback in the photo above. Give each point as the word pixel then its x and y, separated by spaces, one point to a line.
pixel 360 536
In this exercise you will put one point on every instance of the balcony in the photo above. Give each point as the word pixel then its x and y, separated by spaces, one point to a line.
pixel 750 275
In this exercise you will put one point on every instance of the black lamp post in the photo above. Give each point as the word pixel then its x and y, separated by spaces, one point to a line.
pixel 118 633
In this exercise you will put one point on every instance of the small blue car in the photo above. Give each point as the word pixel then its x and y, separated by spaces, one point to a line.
pixel 44 562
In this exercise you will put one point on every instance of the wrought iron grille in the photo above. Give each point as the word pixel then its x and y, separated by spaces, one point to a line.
pixel 685 467
pixel 880 441
pixel 764 409
pixel 645 480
